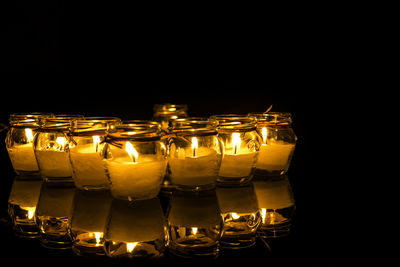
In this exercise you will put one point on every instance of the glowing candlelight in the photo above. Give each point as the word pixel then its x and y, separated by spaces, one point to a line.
pixel 29 134
pixel 96 142
pixel 264 134
pixel 131 152
pixel 130 246
pixel 195 146
pixel 236 142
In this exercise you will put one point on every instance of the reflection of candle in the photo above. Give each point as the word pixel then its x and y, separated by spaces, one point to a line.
pixel 88 166
pixel 137 178
pixel 195 166
pixel 274 155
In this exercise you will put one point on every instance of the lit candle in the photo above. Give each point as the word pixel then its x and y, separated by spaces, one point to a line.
pixel 238 161
pixel 22 156
pixel 193 166
pixel 135 176
pixel 89 169
pixel 274 155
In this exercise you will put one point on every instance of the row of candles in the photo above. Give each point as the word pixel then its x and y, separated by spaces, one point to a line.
pixel 136 159
pixel 93 223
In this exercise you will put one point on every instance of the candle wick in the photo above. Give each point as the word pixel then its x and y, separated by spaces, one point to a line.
pixel 194 152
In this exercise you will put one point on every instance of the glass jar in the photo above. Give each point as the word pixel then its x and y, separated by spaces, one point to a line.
pixel 136 160
pixel 195 153
pixel 163 113
pixel 19 142
pixel 241 144
pixel 195 224
pixel 51 148
pixel 85 151
pixel 278 142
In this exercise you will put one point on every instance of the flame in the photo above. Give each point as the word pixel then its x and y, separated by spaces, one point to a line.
pixel 264 134
pixel 194 230
pixel 195 146
pixel 236 142
pixel 235 215
pixel 61 141
pixel 96 142
pixel 31 212
pixel 263 214
pixel 29 134
pixel 130 246
pixel 131 151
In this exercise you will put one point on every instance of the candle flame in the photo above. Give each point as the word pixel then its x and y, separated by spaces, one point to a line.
pixel 264 134
pixel 263 214
pixel 96 142
pixel 194 230
pixel 29 134
pixel 195 145
pixel 130 246
pixel 131 151
pixel 98 237
pixel 31 212
pixel 235 215
pixel 61 141
pixel 236 142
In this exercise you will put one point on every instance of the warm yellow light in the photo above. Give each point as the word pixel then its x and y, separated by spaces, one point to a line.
pixel 96 142
pixel 31 212
pixel 263 214
pixel 61 141
pixel 29 134
pixel 130 246
pixel 235 215
pixel 98 237
pixel 195 146
pixel 194 230
pixel 264 134
pixel 131 151
pixel 174 117
pixel 236 142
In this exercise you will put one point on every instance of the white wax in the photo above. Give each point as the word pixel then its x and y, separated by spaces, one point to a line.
pixel 54 163
pixel 55 201
pixel 88 167
pixel 190 170
pixel 141 180
pixel 137 222
pixel 23 158
pixel 273 194
pixel 238 165
pixel 274 156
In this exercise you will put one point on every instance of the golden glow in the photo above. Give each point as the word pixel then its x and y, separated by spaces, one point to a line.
pixel 194 230
pixel 61 141
pixel 174 117
pixel 98 237
pixel 264 134
pixel 29 134
pixel 236 142
pixel 130 246
pixel 131 151
pixel 235 215
pixel 96 142
pixel 263 214
pixel 195 146
pixel 31 212
pixel 172 109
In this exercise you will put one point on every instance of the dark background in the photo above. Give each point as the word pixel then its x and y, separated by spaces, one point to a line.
pixel 70 60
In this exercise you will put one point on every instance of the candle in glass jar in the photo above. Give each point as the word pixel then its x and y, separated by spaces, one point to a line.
pixel 237 161
pixel 88 166
pixel 54 163
pixel 274 155
pixel 136 177
pixel 193 166
pixel 23 156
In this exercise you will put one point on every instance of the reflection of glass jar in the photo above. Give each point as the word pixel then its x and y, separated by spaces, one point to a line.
pixel 136 160
pixel 241 145
pixel 53 215
pixel 195 152
pixel 51 148
pixel 135 230
pixel 19 142
pixel 86 143
pixel 195 224
pixel 22 203
pixel 89 217
pixel 163 113
pixel 241 214
pixel 278 142
pixel 277 205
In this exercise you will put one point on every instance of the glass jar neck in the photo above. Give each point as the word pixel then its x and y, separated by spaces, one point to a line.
pixel 170 109
pixel 27 120
pixel 94 125
pixel 136 130
pixel 234 122
pixel 272 119
pixel 61 123
pixel 193 126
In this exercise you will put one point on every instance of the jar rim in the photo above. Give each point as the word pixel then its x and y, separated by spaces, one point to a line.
pixel 272 118
pixel 191 125
pixel 234 122
pixel 30 119
pixel 136 129
pixel 93 125
pixel 168 108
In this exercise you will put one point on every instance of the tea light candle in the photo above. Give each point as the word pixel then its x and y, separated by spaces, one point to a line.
pixel 194 166
pixel 237 161
pixel 274 155
pixel 88 166
pixel 138 179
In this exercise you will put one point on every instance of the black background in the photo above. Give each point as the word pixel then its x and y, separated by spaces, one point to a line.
pixel 97 64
